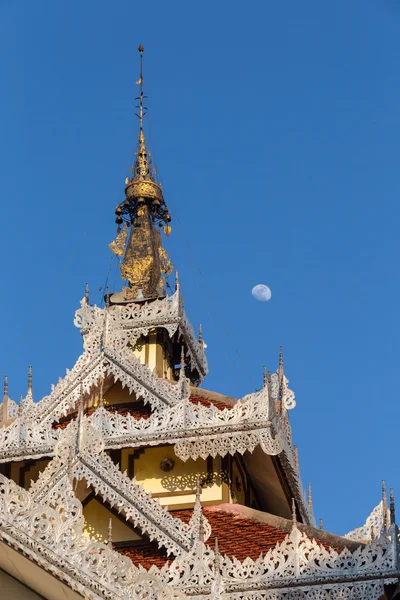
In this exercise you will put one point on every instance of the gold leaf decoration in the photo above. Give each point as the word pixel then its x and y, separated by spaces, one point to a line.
pixel 118 245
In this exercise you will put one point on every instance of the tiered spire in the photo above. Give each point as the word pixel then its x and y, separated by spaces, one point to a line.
pixel 145 262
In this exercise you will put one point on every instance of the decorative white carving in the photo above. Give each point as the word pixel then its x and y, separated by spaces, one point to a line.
pixel 119 327
pixel 47 524
pixel 195 430
pixel 373 527
pixel 12 409
pixel 99 471
pixel 288 395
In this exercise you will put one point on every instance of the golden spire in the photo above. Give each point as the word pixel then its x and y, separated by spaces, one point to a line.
pixel 145 263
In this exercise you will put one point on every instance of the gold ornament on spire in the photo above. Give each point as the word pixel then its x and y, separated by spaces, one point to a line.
pixel 145 264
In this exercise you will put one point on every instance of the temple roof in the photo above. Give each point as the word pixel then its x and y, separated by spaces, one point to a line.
pixel 241 532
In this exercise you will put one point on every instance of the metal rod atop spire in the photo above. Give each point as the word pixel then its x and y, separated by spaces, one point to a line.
pixel 265 376
pixel 141 96
pixel 5 389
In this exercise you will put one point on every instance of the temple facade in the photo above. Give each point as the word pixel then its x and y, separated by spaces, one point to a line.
pixel 129 481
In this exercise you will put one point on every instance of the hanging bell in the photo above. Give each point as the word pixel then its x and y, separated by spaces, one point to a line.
pixel 167 229
pixel 119 220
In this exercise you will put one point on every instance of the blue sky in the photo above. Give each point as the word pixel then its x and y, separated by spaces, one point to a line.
pixel 275 129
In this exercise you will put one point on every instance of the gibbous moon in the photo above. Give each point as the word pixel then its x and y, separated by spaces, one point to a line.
pixel 261 292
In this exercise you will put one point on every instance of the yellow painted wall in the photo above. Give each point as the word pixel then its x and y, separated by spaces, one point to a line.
pixel 97 519
pixel 175 488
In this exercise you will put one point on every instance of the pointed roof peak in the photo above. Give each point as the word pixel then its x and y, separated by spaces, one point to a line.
pixel 145 263
pixel 30 379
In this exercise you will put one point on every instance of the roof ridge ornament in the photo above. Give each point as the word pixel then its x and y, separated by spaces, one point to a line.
pixel 5 400
pixel 392 508
pixel 145 263
pixel 30 380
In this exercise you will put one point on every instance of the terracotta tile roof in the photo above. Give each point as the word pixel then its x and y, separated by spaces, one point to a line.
pixel 146 554
pixel 205 402
pixel 238 535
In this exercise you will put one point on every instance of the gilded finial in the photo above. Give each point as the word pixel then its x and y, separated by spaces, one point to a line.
pixel 392 508
pixel 30 380
pixel 145 263
pixel 321 524
pixel 110 532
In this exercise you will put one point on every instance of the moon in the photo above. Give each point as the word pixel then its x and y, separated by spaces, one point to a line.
pixel 261 292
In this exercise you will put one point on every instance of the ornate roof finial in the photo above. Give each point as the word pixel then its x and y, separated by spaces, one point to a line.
pixel 145 263
pixel 79 424
pixel 280 368
pixel 4 415
pixel 87 293
pixel 294 513
pixel 321 524
pixel 109 541
pixel 217 556
pixel 182 363
pixel 69 466
pixel 309 499
pixel 176 279
pixel 384 506
pixel 30 380
pixel 196 522
pixel 21 406
pixel 5 389
pixel 392 508
pixel 265 377
pixel 296 456
pixel 198 489
pixel 201 334
pixel 101 402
